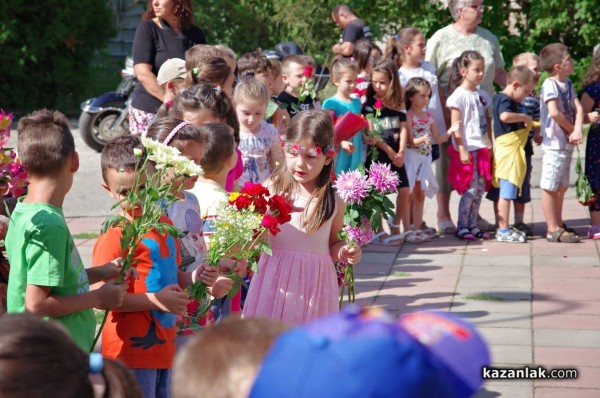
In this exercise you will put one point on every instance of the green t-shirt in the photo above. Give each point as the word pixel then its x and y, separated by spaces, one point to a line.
pixel 41 252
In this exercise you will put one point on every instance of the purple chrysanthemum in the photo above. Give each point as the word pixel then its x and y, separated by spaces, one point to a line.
pixel 352 186
pixel 360 235
pixel 383 178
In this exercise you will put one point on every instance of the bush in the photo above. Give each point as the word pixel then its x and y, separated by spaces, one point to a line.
pixel 47 50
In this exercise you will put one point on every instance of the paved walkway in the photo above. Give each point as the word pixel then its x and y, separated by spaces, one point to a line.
pixel 536 303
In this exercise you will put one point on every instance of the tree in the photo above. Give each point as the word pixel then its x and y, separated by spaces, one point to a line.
pixel 47 49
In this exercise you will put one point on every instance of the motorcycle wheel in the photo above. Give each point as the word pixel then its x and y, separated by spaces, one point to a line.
pixel 95 128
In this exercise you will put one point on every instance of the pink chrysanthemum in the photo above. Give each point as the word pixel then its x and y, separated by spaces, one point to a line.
pixel 352 186
pixel 360 235
pixel 383 178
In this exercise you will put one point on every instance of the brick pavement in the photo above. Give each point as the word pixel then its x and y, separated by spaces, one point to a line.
pixel 543 299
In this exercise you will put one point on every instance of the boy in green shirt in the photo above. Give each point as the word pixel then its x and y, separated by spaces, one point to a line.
pixel 47 276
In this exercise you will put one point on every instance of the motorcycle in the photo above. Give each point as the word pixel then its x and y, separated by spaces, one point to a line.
pixel 105 118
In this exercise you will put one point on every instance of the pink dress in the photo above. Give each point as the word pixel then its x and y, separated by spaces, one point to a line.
pixel 298 282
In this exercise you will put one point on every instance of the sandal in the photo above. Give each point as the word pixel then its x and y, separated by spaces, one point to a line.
pixel 571 230
pixel 429 231
pixel 561 235
pixel 447 227
pixel 479 234
pixel 465 234
pixel 421 234
pixel 389 241
pixel 390 222
pixel 411 237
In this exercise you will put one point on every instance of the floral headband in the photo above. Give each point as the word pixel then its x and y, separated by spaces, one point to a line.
pixel 295 149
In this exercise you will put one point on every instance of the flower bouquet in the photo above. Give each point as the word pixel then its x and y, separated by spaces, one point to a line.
pixel 241 231
pixel 149 201
pixel 376 127
pixel 366 205
pixel 583 189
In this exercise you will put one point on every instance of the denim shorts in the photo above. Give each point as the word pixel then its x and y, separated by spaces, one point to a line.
pixel 154 383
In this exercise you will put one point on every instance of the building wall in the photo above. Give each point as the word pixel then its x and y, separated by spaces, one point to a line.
pixel 127 16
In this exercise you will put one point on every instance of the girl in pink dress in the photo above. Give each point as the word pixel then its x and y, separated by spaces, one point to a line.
pixel 298 283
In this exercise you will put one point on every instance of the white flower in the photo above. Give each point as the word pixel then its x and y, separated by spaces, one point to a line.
pixel 168 156
pixel 137 152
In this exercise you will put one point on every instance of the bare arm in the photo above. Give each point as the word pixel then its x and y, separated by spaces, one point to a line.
pixel 277 155
pixel 456 117
pixel 558 116
pixel 438 136
pixel 576 136
pixel 513 117
pixel 500 77
pixel 338 249
pixel 346 48
pixel 147 78
pixel 587 103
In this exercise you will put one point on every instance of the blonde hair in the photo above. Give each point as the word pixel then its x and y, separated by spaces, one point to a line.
pixel 292 59
pixel 252 90
pixel 520 74
pixel 341 65
pixel 521 59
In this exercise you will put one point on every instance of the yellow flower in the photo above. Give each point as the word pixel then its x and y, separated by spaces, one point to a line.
pixel 233 196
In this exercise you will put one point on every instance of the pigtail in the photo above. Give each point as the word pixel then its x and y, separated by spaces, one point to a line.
pixel 460 62
pixel 391 51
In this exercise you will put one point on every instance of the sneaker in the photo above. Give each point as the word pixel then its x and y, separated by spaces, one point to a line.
pixel 523 228
pixel 485 225
pixel 510 236
pixel 518 231
pixel 594 232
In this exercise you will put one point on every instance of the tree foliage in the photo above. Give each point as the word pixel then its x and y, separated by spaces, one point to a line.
pixel 47 49
pixel 520 25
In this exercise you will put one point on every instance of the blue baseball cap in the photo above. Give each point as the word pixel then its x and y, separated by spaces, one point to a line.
pixel 368 353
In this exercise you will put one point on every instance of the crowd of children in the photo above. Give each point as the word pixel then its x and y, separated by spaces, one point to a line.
pixel 251 120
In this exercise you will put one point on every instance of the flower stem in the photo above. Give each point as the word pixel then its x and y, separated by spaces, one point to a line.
pixel 99 331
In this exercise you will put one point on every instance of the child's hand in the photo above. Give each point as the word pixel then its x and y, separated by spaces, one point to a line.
pixel 465 156
pixel 372 140
pixel 537 136
pixel 241 269
pixel 426 139
pixel 111 295
pixel 527 119
pixel 347 147
pixel 576 137
pixel 594 117
pixel 112 270
pixel 288 197
pixel 351 255
pixel 221 287
pixel 398 160
pixel 454 128
pixel 207 274
pixel 171 299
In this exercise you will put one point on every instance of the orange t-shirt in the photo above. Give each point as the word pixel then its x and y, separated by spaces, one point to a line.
pixel 142 339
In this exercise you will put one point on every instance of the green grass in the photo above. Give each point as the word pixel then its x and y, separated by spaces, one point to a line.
pixel 401 274
pixel 86 235
pixel 484 297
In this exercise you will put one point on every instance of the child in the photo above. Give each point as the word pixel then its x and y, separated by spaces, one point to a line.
pixel 419 154
pixel 213 70
pixel 231 351
pixel 259 141
pixel 218 160
pixel 343 75
pixel 256 64
pixel 141 331
pixel 204 103
pixel 171 77
pixel 200 54
pixel 590 102
pixel 184 213
pixel 562 124
pixel 39 359
pixel 47 276
pixel 297 282
pixel 530 105
pixel 277 116
pixel 293 72
pixel 407 48
pixel 469 170
pixel 385 91
pixel 511 130
pixel 365 61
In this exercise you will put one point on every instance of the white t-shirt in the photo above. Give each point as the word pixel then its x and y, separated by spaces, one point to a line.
pixel 427 72
pixel 212 198
pixel 256 153
pixel 185 214
pixel 554 137
pixel 472 106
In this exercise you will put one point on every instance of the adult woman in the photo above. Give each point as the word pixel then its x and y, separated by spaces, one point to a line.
pixel 442 48
pixel 166 31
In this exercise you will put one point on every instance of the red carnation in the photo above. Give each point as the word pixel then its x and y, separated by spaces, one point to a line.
pixel 281 208
pixel 378 104
pixel 270 223
pixel 242 202
pixel 260 204
pixel 252 189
